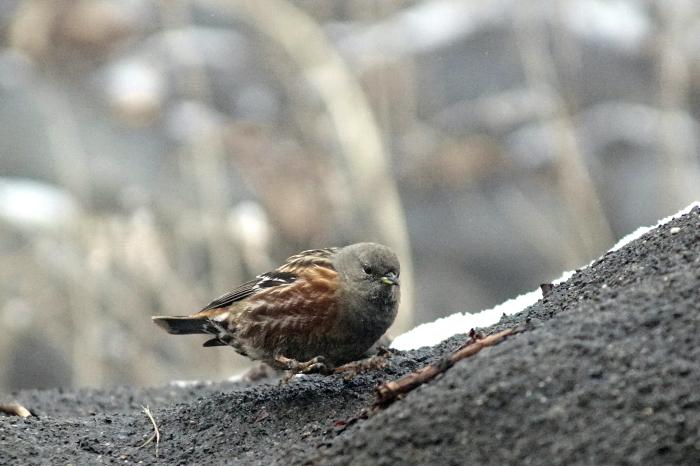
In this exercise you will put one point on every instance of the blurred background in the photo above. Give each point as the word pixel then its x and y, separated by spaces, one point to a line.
pixel 155 154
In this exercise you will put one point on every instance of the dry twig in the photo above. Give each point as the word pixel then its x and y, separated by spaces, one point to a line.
pixel 388 392
pixel 156 434
pixel 547 289
pixel 354 368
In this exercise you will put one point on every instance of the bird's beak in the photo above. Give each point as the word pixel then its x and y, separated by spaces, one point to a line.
pixel 390 279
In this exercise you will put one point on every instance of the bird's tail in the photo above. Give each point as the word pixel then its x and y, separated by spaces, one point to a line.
pixel 184 325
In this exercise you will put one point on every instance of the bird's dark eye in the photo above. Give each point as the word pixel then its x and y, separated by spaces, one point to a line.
pixel 367 269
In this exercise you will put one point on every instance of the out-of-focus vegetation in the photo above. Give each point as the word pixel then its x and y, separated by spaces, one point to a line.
pixel 155 154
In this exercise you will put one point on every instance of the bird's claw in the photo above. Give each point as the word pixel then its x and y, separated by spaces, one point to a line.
pixel 316 365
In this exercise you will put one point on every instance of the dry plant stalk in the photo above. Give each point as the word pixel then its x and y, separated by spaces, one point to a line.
pixel 15 409
pixel 388 392
pixel 156 434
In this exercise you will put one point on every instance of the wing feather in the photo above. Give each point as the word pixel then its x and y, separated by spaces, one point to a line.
pixel 242 292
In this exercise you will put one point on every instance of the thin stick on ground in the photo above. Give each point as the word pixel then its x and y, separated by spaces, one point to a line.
pixel 156 434
pixel 388 392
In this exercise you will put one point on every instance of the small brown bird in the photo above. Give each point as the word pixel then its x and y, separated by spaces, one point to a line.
pixel 321 309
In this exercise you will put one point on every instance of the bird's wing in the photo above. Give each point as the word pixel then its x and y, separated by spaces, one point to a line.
pixel 303 308
pixel 284 275
pixel 263 281
pixel 231 297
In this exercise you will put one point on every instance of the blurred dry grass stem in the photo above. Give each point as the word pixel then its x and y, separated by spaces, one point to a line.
pixel 589 225
pixel 373 186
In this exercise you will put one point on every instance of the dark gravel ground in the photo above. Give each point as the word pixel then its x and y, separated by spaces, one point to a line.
pixel 607 371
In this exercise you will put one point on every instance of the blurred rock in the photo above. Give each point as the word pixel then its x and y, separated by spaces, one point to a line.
pixel 53 30
pixel 30 204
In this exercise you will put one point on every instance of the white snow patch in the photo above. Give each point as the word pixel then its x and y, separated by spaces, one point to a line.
pixel 189 383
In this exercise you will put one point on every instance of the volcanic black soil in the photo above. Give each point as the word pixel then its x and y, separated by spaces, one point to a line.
pixel 606 371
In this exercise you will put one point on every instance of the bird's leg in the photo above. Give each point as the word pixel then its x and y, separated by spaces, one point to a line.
pixel 316 365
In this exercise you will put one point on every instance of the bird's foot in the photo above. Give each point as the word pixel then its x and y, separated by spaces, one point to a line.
pixel 316 365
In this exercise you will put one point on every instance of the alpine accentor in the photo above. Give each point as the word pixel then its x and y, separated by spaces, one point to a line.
pixel 323 307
